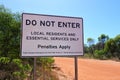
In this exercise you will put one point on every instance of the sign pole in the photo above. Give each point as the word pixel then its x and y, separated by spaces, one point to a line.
pixel 34 74
pixel 76 68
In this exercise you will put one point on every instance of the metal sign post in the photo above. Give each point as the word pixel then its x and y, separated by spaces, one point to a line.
pixel 76 68
pixel 34 73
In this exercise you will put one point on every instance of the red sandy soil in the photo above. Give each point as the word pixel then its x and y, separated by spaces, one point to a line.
pixel 88 69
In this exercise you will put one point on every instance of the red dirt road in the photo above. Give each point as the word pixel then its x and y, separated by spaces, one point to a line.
pixel 89 69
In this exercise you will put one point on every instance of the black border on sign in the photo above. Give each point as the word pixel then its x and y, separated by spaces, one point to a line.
pixel 50 55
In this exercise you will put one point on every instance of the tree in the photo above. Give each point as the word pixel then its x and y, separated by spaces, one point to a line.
pixel 99 54
pixel 90 41
pixel 85 48
pixel 9 34
pixel 12 67
pixel 117 43
pixel 110 47
pixel 102 39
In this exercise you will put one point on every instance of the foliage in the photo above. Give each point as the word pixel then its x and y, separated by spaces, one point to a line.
pixel 10 62
pixel 44 65
pixel 12 67
pixel 46 62
pixel 9 35
pixel 99 54
pixel 110 48
pixel 86 50
pixel 90 41
pixel 105 48
pixel 117 43
pixel 103 38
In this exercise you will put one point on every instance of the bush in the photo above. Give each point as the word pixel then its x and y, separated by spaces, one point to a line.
pixel 100 54
pixel 13 69
pixel 12 66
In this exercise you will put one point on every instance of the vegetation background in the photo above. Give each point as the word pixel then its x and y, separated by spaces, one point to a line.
pixel 12 66
pixel 105 48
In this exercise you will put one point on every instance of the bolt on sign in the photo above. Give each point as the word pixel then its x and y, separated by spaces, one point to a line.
pixel 50 35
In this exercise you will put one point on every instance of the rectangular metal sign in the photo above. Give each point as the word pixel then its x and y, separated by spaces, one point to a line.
pixel 49 35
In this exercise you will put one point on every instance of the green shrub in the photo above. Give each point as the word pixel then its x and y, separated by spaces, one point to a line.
pixel 100 54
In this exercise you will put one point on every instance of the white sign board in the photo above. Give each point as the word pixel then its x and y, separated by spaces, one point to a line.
pixel 48 35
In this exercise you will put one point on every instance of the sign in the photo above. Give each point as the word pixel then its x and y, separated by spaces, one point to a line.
pixel 49 35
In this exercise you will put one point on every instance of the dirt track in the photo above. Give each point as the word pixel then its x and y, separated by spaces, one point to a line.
pixel 88 69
